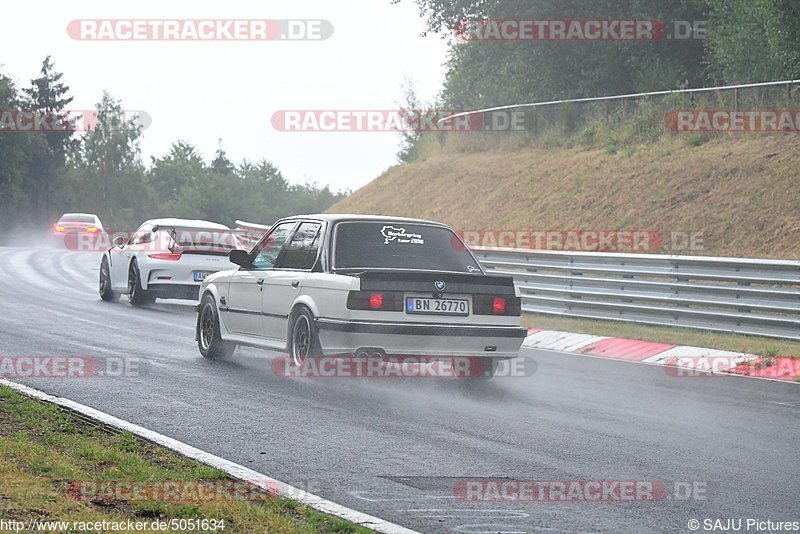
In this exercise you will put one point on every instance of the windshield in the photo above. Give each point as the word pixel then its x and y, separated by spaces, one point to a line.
pixel 383 245
pixel 71 217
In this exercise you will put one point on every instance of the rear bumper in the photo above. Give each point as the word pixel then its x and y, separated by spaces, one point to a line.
pixel 421 339
pixel 175 291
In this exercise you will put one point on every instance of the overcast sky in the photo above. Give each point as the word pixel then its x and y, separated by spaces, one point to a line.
pixel 202 91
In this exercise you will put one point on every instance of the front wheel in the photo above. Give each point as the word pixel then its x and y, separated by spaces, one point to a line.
pixel 209 338
pixel 304 337
pixel 106 293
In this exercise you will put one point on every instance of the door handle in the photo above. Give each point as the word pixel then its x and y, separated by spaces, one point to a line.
pixel 296 283
pixel 260 281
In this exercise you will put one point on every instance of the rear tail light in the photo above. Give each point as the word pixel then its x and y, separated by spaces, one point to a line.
pixel 59 228
pixel 172 256
pixel 496 305
pixel 499 305
pixel 92 230
pixel 375 300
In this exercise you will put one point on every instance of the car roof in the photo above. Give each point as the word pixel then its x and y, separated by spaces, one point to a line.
pixel 186 223
pixel 339 217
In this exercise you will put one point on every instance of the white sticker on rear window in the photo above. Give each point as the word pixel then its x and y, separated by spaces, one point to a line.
pixel 399 235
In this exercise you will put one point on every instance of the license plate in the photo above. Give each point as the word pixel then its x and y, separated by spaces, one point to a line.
pixel 199 276
pixel 432 306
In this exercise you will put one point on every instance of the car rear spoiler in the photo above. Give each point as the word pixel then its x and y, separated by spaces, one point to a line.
pixel 197 248
pixel 251 233
pixel 253 226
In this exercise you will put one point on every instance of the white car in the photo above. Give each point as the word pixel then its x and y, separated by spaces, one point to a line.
pixel 165 258
pixel 325 285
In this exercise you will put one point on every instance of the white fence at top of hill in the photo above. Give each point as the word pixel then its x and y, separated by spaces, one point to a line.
pixel 742 295
pixel 730 97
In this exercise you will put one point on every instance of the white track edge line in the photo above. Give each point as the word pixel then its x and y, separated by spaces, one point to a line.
pixel 233 469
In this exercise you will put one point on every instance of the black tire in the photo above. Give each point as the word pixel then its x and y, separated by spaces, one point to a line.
pixel 482 370
pixel 490 368
pixel 209 339
pixel 106 293
pixel 303 337
pixel 136 294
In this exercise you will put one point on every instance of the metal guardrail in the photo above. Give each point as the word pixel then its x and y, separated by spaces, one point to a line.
pixel 742 295
pixel 632 96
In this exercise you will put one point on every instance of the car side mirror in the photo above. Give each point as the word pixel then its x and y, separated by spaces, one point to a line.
pixel 240 257
pixel 118 241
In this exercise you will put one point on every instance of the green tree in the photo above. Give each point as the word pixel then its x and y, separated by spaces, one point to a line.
pixel 47 95
pixel 221 163
pixel 105 166
pixel 19 154
pixel 754 40
pixel 101 171
pixel 488 73
pixel 409 106
pixel 173 175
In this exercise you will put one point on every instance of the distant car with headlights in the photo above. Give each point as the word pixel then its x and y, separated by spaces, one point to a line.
pixel 72 229
pixel 326 285
pixel 165 258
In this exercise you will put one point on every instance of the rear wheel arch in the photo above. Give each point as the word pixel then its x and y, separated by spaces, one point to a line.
pixel 299 308
pixel 308 302
pixel 143 277
pixel 137 292
pixel 290 321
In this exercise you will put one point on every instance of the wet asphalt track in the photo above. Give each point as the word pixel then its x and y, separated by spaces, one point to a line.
pixel 396 448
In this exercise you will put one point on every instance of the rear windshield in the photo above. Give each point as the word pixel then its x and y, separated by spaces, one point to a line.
pixel 376 245
pixel 71 217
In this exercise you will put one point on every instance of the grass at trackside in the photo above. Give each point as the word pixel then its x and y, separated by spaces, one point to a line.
pixel 44 451
pixel 760 346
